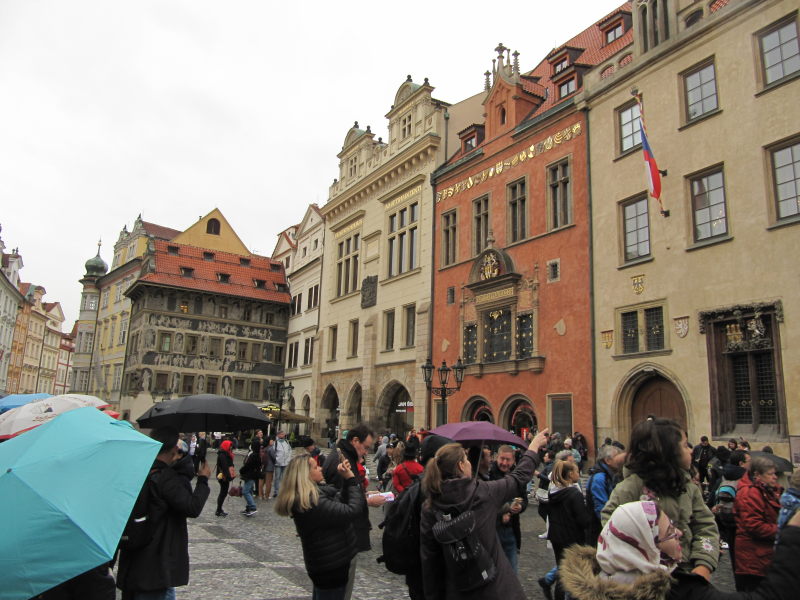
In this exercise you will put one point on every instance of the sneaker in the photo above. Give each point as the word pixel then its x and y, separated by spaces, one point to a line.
pixel 251 512
pixel 221 513
pixel 543 536
pixel 723 545
pixel 545 588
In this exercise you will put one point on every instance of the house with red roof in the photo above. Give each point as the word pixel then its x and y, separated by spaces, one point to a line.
pixel 511 283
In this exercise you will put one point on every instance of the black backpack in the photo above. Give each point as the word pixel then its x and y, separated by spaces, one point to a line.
pixel 400 526
pixel 467 561
pixel 140 527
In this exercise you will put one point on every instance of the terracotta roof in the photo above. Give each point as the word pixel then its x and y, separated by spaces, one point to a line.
pixel 715 6
pixel 24 288
pixel 159 231
pixel 48 306
pixel 205 274
pixel 595 51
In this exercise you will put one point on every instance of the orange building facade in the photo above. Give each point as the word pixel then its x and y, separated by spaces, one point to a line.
pixel 512 291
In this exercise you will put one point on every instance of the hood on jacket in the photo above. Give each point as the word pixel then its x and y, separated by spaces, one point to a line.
pixel 456 494
pixel 559 495
pixel 733 472
pixel 580 575
pixel 184 466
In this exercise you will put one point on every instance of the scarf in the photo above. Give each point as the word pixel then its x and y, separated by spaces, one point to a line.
pixel 626 548
pixel 226 447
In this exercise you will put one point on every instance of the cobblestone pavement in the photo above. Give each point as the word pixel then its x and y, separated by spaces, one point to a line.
pixel 259 558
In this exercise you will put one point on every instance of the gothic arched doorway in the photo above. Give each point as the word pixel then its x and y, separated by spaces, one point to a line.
pixel 660 397
pixel 520 417
pixel 478 409
pixel 400 418
pixel 329 413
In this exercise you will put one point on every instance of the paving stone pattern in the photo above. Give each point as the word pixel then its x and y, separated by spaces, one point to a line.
pixel 259 557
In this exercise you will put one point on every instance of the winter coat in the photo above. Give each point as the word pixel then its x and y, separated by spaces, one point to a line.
pixel 224 463
pixel 579 573
pixel 201 449
pixel 405 473
pixel 700 541
pixel 251 468
pixel 283 452
pixel 489 497
pixel 701 455
pixel 790 502
pixel 569 518
pixel 268 459
pixel 361 524
pixel 164 561
pixel 756 508
pixel 327 535
pixel 513 522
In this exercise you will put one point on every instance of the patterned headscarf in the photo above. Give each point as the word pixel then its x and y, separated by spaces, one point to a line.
pixel 626 547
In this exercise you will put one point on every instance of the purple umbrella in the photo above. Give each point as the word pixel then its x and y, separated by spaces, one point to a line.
pixel 478 431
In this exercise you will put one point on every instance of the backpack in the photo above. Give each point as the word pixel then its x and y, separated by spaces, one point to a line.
pixel 140 527
pixel 723 507
pixel 401 541
pixel 467 561
pixel 595 527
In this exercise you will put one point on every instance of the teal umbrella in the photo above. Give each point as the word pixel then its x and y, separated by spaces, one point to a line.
pixel 16 400
pixel 67 489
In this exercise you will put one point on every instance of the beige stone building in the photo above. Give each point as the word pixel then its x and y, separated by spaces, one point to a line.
pixel 695 313
pixel 376 274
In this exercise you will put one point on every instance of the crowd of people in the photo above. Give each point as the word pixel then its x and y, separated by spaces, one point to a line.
pixel 649 524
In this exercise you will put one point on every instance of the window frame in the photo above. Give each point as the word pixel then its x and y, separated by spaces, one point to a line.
pixel 620 137
pixel 348 250
pixel 685 75
pixel 333 340
pixel 560 183
pixel 567 87
pixel 517 210
pixel 402 239
pixel 450 237
pixel 774 210
pixel 623 228
pixel 759 40
pixel 352 338
pixel 388 329
pixel 641 330
pixel 691 179
pixel 481 221
pixel 409 325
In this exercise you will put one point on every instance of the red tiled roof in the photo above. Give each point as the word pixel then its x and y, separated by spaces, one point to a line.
pixel 205 273
pixel 48 306
pixel 595 51
pixel 717 4
pixel 159 231
pixel 24 288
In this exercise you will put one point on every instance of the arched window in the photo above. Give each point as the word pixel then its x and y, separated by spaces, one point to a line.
pixel 212 227
pixel 693 18
pixel 609 70
pixel 502 116
pixel 644 37
pixel 654 16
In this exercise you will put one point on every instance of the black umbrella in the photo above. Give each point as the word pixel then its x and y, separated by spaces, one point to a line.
pixel 203 412
pixel 782 465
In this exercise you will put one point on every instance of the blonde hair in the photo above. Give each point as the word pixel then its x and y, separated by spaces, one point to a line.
pixel 297 492
pixel 445 465
pixel 562 471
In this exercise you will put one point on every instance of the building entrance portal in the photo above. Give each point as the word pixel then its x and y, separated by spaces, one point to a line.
pixel 400 418
pixel 658 396
pixel 521 419
pixel 329 414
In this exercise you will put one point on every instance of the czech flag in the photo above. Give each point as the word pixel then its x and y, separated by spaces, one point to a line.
pixel 653 174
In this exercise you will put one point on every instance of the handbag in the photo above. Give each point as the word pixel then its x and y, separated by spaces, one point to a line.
pixel 235 491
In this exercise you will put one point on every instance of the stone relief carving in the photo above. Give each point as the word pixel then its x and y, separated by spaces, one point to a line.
pixel 369 291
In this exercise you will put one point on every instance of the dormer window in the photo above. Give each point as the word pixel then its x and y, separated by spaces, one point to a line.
pixel 469 144
pixel 614 33
pixel 212 227
pixel 561 65
pixel 566 88
pixel 260 284
pixel 281 287
pixel 245 262
pixel 208 256
pixel 405 126
pixel 275 267
pixel 187 272
pixel 172 250
pixel 224 277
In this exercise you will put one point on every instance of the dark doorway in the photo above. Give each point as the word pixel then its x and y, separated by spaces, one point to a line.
pixel 400 419
pixel 329 413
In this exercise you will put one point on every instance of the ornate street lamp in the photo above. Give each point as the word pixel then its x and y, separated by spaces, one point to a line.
pixel 284 393
pixel 442 390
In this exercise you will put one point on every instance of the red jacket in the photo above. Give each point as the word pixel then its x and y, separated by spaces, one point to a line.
pixel 404 473
pixel 756 508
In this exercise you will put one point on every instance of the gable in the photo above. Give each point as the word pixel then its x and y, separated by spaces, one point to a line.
pixel 214 233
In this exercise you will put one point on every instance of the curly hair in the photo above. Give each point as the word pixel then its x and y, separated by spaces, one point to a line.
pixel 655 456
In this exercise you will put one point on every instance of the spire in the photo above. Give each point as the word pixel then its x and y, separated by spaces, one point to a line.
pixel 516 63
pixel 487 83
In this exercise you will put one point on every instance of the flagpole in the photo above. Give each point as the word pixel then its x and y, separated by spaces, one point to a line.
pixel 655 191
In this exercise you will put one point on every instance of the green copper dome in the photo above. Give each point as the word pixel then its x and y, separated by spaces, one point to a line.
pixel 95 267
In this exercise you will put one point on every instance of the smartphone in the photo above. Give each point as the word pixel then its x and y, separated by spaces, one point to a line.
pixel 388 495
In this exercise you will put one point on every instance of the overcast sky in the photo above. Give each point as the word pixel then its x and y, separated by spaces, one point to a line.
pixel 170 108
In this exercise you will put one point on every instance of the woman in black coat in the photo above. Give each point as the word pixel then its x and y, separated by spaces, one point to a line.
pixel 323 517
pixel 569 519
pixel 638 551
pixel 225 474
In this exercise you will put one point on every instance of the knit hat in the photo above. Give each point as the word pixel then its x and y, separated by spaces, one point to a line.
pixel 430 445
pixel 627 547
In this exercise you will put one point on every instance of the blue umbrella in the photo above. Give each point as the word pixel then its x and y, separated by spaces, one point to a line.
pixel 67 489
pixel 15 400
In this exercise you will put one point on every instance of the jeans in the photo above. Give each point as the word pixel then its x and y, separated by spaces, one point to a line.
pixel 247 493
pixel 509 544
pixel 550 576
pixel 276 480
pixel 167 594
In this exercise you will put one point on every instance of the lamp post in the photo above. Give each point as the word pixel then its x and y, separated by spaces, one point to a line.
pixel 284 393
pixel 442 390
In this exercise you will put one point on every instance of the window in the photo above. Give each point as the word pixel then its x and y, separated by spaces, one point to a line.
pixel 780 56
pixel 212 383
pixel 222 311
pixel 786 171
pixel 693 18
pixel 333 341
pixel 118 292
pixel 187 384
pixel 255 390
pixel 162 382
pixel 497 335
pixel 296 307
pixel 708 206
pixel 744 352
pixel 291 357
pixel 224 277
pixel 173 250
pixel 701 92
pixel 502 115
pixel 212 227
pixel 410 314
pixel 209 256
pixel 313 296
pixel 561 65
pixel 353 341
pixel 630 128
pixel 165 342
pixel 191 345
pixel 215 347
pixel 517 211
pixel 553 270
pixel 347 265
pixel 104 298
pixel 255 352
pixel 642 330
pixel 451 295
pixel 123 331
pixel 614 33
pixel 561 412
pixel 117 377
pixel 279 355
pixel 352 166
pixel 566 88
pixel 470 351
pixel 242 351
pixel 245 262
pixel 308 351
pixel 480 223
pixel 405 126
pixel 560 195
pixel 402 240
pixel 238 388
pixel 388 330
pixel 184 305
pixel 636 225
pixel 470 143
pixel 524 335
pixel 260 284
pixel 449 230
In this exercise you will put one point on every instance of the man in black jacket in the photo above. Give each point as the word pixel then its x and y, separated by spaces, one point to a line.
pixel 354 448
pixel 508 527
pixel 154 570
pixel 200 450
